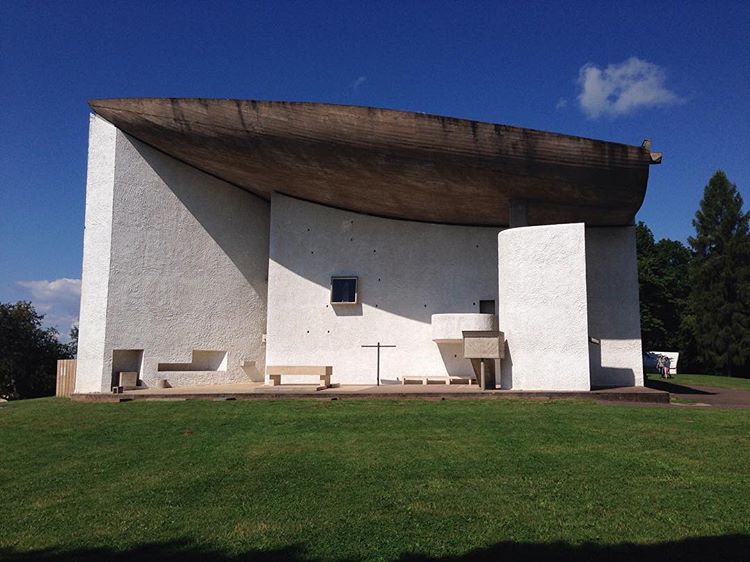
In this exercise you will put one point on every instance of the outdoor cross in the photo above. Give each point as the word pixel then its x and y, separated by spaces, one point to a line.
pixel 378 346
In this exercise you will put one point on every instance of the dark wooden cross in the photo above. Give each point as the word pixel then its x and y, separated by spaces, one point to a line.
pixel 378 346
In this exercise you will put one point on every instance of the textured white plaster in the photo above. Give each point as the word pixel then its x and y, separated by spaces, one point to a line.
pixel 449 328
pixel 97 240
pixel 407 272
pixel 176 261
pixel 613 309
pixel 187 269
pixel 543 307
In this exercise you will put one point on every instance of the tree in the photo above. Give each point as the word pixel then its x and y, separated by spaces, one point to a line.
pixel 664 288
pixel 720 279
pixel 650 288
pixel 28 353
pixel 73 343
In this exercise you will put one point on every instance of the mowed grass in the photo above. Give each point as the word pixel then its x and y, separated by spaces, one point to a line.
pixel 716 381
pixel 366 479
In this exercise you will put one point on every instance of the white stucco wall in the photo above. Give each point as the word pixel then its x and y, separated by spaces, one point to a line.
pixel 187 266
pixel 177 262
pixel 543 307
pixel 407 272
pixel 613 308
pixel 449 328
pixel 97 240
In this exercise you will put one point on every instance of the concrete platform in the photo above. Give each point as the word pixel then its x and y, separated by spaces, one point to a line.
pixel 259 391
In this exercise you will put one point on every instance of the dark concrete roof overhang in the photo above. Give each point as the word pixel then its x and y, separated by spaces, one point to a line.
pixel 393 163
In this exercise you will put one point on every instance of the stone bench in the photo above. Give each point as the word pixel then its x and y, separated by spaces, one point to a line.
pixel 322 372
pixel 127 380
pixel 426 379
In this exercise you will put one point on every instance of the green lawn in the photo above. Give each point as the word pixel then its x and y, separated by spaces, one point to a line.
pixel 410 480
pixel 715 381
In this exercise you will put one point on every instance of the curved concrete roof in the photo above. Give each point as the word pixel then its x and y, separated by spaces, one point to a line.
pixel 393 163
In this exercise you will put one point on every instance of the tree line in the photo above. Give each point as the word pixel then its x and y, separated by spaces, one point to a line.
pixel 29 352
pixel 695 298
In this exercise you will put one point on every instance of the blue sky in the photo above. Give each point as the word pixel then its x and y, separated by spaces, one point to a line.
pixel 678 73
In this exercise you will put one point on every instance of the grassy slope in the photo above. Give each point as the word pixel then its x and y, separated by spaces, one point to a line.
pixel 367 478
pixel 715 381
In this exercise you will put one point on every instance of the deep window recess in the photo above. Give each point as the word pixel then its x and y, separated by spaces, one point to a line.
pixel 487 307
pixel 343 290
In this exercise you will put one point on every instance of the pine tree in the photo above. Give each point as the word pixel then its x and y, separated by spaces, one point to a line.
pixel 720 279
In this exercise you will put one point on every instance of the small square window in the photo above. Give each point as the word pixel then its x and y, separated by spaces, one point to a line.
pixel 344 290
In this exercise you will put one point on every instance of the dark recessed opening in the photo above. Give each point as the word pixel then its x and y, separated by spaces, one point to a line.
pixel 487 307
pixel 343 290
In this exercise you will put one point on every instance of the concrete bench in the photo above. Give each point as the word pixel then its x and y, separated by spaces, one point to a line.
pixel 425 379
pixel 128 380
pixel 322 372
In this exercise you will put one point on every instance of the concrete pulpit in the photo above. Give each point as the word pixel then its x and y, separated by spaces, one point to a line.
pixel 483 347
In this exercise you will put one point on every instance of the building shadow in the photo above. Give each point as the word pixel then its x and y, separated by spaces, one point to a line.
pixel 241 231
pixel 456 365
pixel 412 269
pixel 726 548
pixel 504 372
pixel 603 377
pixel 673 388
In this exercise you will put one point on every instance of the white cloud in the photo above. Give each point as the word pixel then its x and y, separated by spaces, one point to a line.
pixel 562 103
pixel 358 82
pixel 59 300
pixel 622 88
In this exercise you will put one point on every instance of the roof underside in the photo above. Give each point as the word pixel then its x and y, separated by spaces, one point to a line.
pixel 392 163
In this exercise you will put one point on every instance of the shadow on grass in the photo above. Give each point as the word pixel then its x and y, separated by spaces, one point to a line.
pixel 725 548
pixel 673 388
